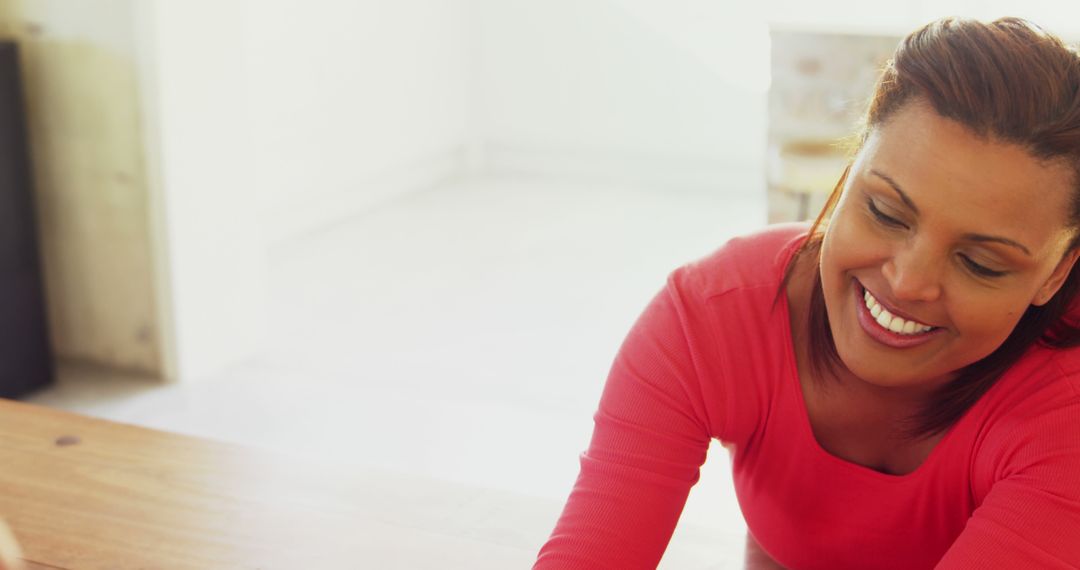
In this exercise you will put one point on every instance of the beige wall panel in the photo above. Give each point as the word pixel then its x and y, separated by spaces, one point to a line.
pixel 86 143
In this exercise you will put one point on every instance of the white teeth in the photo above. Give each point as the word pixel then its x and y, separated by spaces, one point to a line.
pixel 889 321
pixel 897 325
pixel 884 319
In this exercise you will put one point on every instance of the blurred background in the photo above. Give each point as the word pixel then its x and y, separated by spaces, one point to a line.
pixel 409 234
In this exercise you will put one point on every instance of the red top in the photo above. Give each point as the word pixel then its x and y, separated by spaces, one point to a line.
pixel 711 357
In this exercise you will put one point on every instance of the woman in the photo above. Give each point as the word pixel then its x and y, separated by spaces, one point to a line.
pixel 894 383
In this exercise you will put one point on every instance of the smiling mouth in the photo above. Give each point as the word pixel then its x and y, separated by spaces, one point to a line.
pixel 892 323
pixel 887 328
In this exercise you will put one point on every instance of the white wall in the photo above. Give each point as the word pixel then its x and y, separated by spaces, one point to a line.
pixel 210 252
pixel 662 92
pixel 350 103
pixel 268 119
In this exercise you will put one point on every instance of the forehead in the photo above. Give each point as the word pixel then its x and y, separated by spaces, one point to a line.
pixel 974 183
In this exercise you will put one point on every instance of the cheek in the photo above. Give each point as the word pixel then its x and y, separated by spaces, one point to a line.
pixel 986 323
pixel 849 246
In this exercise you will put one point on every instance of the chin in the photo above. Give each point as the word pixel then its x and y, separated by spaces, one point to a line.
pixel 883 368
pixel 885 378
pixel 894 373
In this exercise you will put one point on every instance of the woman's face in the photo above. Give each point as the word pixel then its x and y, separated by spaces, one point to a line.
pixel 952 236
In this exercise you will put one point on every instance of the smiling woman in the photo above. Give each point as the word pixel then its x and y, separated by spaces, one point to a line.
pixel 895 382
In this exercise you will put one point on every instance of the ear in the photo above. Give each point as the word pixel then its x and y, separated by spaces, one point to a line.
pixel 1056 279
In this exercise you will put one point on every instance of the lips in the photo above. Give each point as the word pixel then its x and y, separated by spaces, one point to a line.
pixel 889 319
pixel 889 328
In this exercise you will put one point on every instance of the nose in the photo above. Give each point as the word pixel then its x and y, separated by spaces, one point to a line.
pixel 914 274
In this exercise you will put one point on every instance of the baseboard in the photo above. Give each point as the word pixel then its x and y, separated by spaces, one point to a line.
pixel 512 160
pixel 612 166
pixel 293 220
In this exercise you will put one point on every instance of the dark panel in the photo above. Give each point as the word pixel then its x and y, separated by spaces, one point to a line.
pixel 25 356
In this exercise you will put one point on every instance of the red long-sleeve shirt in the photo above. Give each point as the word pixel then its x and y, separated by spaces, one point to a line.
pixel 711 357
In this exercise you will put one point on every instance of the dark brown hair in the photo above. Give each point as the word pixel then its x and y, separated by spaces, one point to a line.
pixel 1009 81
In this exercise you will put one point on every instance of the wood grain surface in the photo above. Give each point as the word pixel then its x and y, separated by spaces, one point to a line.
pixel 82 493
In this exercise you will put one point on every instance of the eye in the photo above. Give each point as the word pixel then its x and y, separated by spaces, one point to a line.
pixel 980 270
pixel 882 216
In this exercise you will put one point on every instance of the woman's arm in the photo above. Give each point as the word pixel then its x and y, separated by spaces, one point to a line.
pixel 1030 518
pixel 648 443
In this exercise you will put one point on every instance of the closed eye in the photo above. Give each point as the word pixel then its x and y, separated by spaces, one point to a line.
pixel 882 216
pixel 978 269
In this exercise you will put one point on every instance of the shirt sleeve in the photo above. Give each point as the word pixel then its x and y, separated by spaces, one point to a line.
pixel 1030 517
pixel 648 443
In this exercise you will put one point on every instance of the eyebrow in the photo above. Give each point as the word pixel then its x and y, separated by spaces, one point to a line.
pixel 972 237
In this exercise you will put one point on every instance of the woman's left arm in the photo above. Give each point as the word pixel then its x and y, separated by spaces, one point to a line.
pixel 1030 517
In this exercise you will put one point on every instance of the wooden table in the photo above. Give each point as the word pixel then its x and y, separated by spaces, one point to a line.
pixel 82 493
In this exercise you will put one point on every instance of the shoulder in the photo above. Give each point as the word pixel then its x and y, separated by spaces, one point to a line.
pixel 1030 421
pixel 1025 481
pixel 723 306
pixel 1042 381
pixel 753 260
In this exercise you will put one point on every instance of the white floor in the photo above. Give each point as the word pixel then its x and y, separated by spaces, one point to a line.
pixel 462 333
